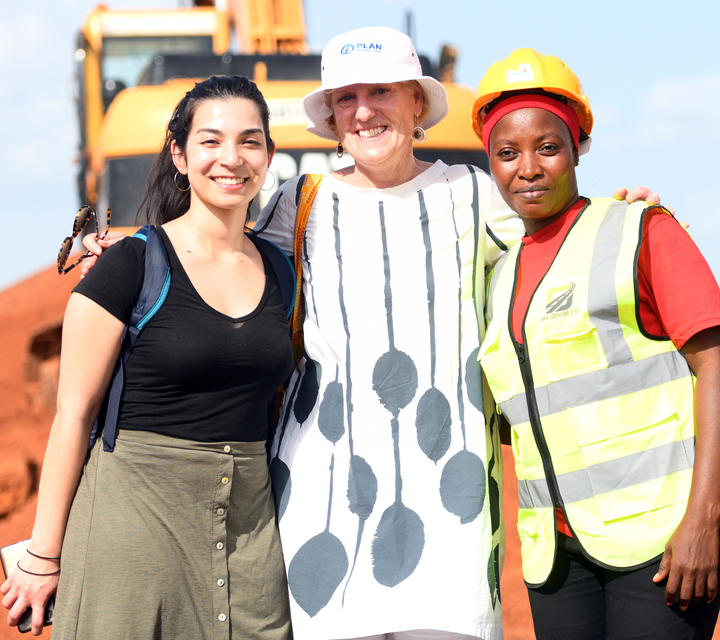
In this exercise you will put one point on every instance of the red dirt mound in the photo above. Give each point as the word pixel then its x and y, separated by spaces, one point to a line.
pixel 31 315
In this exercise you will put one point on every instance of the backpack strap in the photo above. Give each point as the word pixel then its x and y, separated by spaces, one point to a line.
pixel 284 271
pixel 156 283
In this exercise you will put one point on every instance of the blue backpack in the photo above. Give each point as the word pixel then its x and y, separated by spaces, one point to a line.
pixel 156 285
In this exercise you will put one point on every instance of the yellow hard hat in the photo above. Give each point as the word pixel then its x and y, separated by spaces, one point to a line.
pixel 527 69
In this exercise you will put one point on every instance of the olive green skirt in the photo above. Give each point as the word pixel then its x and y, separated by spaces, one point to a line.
pixel 173 539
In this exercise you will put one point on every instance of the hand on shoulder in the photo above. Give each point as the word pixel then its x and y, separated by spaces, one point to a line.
pixel 96 246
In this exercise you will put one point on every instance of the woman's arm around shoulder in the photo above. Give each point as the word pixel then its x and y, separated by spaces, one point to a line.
pixel 83 381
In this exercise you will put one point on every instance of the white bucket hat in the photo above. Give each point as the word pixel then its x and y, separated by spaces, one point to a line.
pixel 371 55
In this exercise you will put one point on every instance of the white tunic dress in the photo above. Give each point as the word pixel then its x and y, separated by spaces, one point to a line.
pixel 387 478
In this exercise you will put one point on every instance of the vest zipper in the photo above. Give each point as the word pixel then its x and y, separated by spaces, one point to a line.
pixel 523 357
pixel 536 424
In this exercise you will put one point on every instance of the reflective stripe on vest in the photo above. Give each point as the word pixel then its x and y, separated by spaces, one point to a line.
pixel 611 475
pixel 605 410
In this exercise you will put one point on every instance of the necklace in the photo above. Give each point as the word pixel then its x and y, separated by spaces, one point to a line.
pixel 238 255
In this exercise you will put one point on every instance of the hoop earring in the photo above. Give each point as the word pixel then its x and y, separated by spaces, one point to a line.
pixel 176 184
pixel 339 150
pixel 272 186
pixel 418 132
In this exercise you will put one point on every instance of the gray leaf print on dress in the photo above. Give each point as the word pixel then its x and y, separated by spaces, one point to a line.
pixel 308 393
pixel 318 567
pixel 331 420
pixel 462 484
pixel 433 419
pixel 400 536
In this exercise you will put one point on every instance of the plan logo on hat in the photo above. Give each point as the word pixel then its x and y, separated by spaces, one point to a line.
pixel 361 46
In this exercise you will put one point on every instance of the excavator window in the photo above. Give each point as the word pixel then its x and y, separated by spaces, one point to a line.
pixel 279 67
pixel 125 58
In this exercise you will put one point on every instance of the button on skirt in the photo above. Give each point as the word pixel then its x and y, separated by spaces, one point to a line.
pixel 172 539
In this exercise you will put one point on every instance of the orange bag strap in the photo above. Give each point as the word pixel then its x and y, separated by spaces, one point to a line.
pixel 307 197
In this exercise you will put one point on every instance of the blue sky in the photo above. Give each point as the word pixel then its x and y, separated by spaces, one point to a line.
pixel 649 68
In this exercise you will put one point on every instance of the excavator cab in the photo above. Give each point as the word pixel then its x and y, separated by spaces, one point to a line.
pixel 135 66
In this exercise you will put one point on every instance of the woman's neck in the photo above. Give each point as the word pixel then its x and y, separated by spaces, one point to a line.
pixel 533 226
pixel 371 177
pixel 219 232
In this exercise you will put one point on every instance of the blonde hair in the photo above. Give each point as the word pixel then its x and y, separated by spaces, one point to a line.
pixel 410 85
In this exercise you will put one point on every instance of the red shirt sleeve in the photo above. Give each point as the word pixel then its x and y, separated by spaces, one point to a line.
pixel 679 295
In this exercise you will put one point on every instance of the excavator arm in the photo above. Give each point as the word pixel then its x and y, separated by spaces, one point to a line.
pixel 269 26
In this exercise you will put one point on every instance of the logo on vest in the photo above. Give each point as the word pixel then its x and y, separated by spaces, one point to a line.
pixel 360 46
pixel 524 73
pixel 559 301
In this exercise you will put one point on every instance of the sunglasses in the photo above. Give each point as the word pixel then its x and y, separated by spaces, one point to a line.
pixel 86 212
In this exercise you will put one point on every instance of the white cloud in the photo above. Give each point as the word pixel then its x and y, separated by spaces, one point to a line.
pixel 607 113
pixel 15 36
pixel 683 110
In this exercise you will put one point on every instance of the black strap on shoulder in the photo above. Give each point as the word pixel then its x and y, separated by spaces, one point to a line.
pixel 283 268
pixel 156 283
pixel 298 189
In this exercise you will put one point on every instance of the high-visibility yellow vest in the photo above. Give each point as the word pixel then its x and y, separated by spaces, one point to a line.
pixel 602 412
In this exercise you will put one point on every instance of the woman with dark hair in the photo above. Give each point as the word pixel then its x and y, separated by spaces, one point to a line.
pixel 172 534
pixel 603 353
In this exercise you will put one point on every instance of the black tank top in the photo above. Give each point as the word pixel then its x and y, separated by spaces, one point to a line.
pixel 194 373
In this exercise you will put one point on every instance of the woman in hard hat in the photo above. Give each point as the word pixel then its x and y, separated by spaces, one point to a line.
pixel 605 360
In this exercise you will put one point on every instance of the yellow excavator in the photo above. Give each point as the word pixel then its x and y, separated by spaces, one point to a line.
pixel 135 65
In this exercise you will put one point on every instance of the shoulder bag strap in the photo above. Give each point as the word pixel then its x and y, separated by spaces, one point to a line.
pixel 307 197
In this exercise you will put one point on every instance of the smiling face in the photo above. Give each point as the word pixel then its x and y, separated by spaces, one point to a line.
pixel 226 157
pixel 533 160
pixel 375 123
